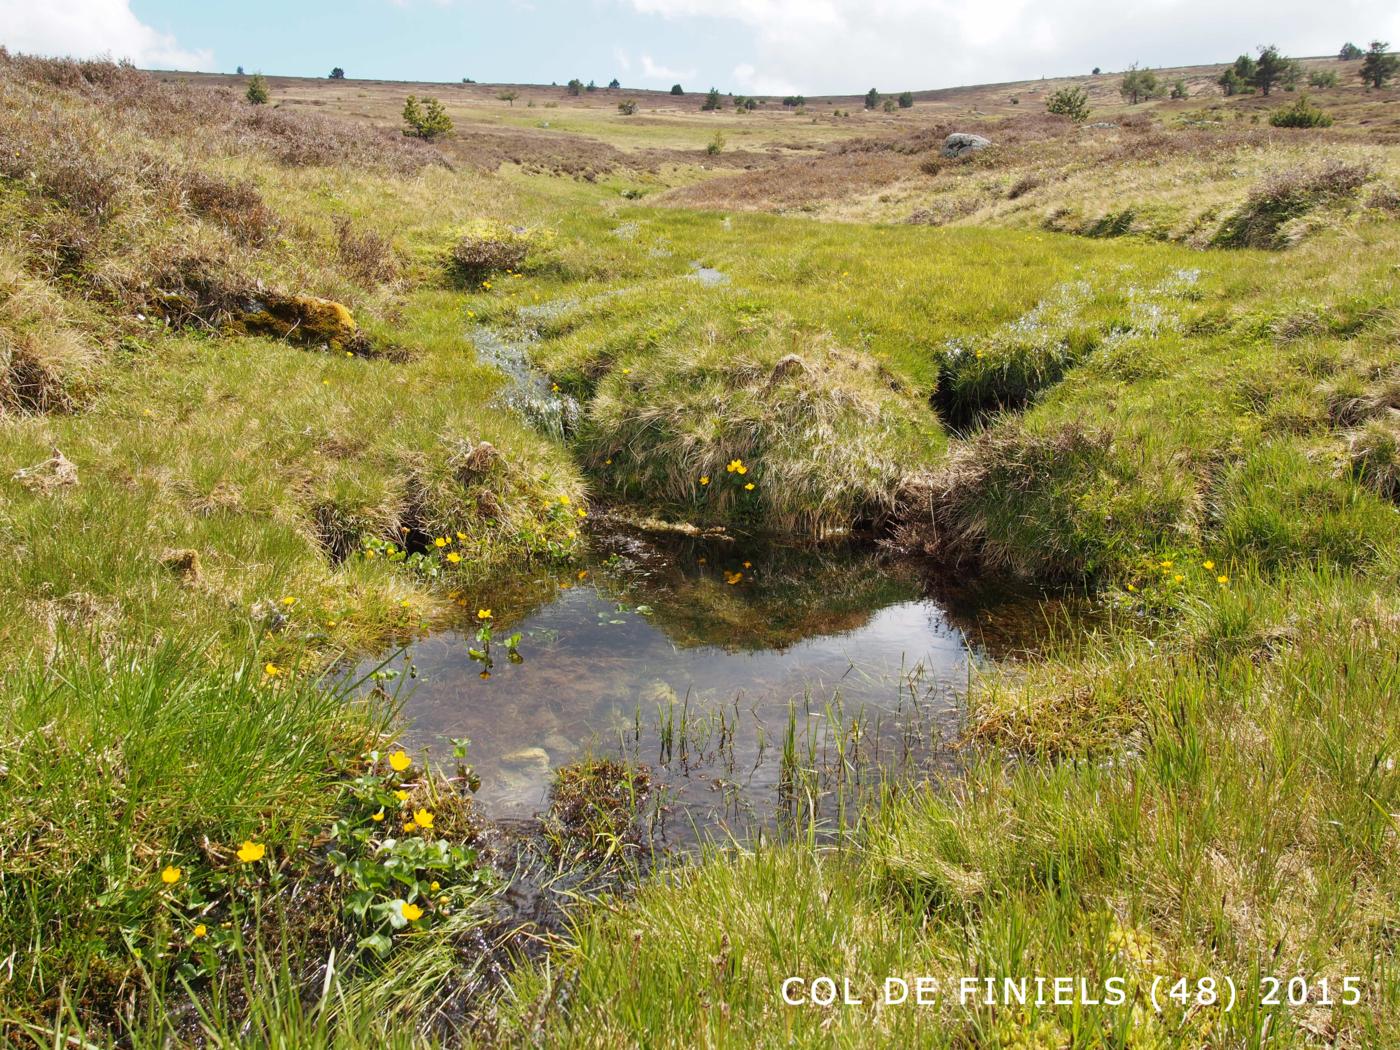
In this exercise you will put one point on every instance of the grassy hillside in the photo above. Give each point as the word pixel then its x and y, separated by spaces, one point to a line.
pixel 245 434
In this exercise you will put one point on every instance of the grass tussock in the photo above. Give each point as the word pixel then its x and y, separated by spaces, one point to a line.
pixel 820 434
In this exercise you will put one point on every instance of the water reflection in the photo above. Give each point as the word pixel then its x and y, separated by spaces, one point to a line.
pixel 758 682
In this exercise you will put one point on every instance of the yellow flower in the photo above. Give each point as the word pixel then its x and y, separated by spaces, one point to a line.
pixel 200 930
pixel 483 614
pixel 732 578
pixel 1222 579
pixel 741 469
pixel 1207 564
pixel 627 371
pixel 733 465
pixel 411 912
pixel 289 600
pixel 251 852
pixel 436 885
pixel 554 387
pixel 461 535
pixel 401 795
pixel 1166 563
pixel 748 487
pixel 439 542
pixel 369 553
pixel 1178 577
pixel 454 557
pixel 704 479
pixel 404 603
pixel 408 825
pixel 399 761
pixel 423 818
pixel 563 501
pixel 607 462
pixel 170 875
pixel 1131 587
pixel 272 670
pixel 748 565
pixel 582 574
pixel 582 513
pixel 377 817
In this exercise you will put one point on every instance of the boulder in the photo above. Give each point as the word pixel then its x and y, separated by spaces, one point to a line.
pixel 961 144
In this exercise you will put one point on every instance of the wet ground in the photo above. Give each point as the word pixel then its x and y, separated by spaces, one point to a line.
pixel 761 684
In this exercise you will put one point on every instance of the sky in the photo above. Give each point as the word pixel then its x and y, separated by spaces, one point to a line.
pixel 745 46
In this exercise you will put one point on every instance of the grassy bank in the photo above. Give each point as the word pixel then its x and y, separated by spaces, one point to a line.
pixel 204 512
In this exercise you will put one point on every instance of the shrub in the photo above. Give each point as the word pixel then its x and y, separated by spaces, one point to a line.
pixel 1072 102
pixel 1322 78
pixel 716 144
pixel 258 93
pixel 365 254
pixel 1350 52
pixel 1139 84
pixel 1300 115
pixel 614 84
pixel 627 107
pixel 508 97
pixel 425 121
pixel 872 99
pixel 1180 90
pixel 676 89
pixel 575 87
pixel 337 73
pixel 906 100
pixel 712 100
pixel 487 247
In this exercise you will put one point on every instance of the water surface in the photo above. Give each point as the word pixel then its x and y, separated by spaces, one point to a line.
pixel 757 682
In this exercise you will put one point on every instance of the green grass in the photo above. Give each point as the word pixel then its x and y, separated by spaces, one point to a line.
pixel 1201 782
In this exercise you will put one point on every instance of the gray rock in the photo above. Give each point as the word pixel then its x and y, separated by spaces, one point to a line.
pixel 961 144
pixel 526 756
pixel 1101 124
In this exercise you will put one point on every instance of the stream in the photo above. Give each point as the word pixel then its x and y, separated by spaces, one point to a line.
pixel 764 685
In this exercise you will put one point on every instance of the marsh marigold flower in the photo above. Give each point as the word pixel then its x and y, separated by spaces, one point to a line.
pixel 377 817
pixel 423 818
pixel 411 912
pixel 454 557
pixel 399 761
pixel 170 875
pixel 704 479
pixel 251 852
pixel 483 614
pixel 200 930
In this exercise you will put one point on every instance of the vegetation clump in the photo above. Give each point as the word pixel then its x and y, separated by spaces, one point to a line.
pixel 487 248
pixel 1072 102
pixel 258 93
pixel 1263 220
pixel 1301 114
pixel 426 119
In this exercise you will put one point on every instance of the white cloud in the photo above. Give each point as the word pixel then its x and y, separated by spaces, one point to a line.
pixel 848 45
pixel 86 28
pixel 751 81
pixel 653 71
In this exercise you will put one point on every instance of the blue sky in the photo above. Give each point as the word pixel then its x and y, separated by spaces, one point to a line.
pixel 753 46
